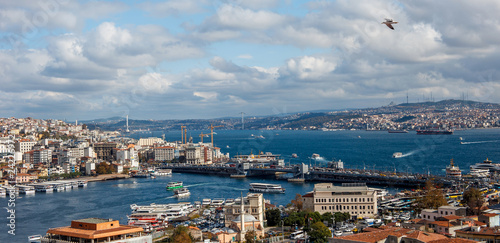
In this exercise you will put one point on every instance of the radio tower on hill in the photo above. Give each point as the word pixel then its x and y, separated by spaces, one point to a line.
pixel 242 121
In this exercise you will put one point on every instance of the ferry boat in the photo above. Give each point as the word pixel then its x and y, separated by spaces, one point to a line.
pixel 316 156
pixel 182 192
pixel 165 172
pixel 294 155
pixel 480 173
pixel 206 202
pixel 82 183
pixel 42 187
pixel 434 132
pixel 397 155
pixel 28 190
pixel 174 185
pixel 268 188
pixel 453 171
pixel 487 165
pixel 218 202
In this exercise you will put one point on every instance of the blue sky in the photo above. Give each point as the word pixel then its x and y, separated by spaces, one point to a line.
pixel 206 59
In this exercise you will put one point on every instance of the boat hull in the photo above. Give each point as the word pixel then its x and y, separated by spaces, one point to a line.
pixel 434 132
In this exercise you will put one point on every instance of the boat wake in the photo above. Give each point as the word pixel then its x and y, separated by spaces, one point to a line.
pixel 320 159
pixel 170 197
pixel 489 141
pixel 201 184
pixel 409 153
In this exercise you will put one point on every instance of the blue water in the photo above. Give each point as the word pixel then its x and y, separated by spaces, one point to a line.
pixel 358 149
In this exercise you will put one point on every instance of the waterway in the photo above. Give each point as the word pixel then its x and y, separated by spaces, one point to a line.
pixel 358 149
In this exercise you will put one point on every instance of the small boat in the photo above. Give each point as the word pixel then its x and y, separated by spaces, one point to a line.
pixel 294 155
pixel 183 192
pixel 315 156
pixel 206 202
pixel 141 175
pixel 267 188
pixel 174 185
pixel 397 155
pixel 153 177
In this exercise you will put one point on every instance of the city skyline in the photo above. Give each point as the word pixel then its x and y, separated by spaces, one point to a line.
pixel 211 59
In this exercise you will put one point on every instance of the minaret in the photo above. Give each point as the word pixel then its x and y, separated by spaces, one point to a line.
pixel 127 124
pixel 242 216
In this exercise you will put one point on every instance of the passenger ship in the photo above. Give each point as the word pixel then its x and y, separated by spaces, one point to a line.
pixel 267 188
pixel 174 185
pixel 183 192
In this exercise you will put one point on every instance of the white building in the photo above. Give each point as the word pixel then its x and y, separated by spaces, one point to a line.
pixel 24 145
pixel 433 214
pixel 145 142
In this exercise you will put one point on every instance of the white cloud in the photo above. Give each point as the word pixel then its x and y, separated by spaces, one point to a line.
pixel 309 68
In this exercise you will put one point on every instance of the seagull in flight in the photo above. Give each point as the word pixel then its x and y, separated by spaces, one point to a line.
pixel 389 23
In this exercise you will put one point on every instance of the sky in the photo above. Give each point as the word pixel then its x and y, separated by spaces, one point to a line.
pixel 181 59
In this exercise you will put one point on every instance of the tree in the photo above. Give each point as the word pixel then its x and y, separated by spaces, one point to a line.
pixel 295 219
pixel 473 198
pixel 434 198
pixel 328 217
pixel 298 203
pixel 251 236
pixel 125 171
pixel 181 235
pixel 273 216
pixel 341 217
pixel 319 233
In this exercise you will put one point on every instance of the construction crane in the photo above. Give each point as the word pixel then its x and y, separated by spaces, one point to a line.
pixel 203 135
pixel 182 134
pixel 212 132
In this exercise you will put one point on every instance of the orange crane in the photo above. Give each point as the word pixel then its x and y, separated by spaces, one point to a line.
pixel 203 135
pixel 182 134
pixel 212 132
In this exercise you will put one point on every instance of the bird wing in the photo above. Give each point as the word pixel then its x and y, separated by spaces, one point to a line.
pixel 389 25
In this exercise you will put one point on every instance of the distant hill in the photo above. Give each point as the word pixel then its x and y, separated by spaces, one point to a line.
pixel 308 120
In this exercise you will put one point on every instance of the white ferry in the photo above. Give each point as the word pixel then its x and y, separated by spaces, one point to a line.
pixel 165 172
pixel 268 188
pixel 174 185
pixel 42 187
pixel 82 183
pixel 206 202
pixel 397 155
pixel 218 202
pixel 28 190
pixel 183 192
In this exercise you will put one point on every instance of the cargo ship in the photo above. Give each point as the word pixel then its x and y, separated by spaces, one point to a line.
pixel 434 132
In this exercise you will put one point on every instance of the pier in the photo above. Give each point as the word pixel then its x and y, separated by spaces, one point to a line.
pixel 302 172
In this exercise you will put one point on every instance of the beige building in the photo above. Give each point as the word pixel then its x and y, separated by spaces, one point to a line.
pixel 165 153
pixel 353 198
pixel 148 142
pixel 253 204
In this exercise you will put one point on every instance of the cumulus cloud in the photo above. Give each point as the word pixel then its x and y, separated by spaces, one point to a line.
pixel 239 55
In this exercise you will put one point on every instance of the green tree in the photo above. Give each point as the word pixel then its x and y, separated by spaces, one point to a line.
pixel 433 198
pixel 251 236
pixel 125 171
pixel 295 219
pixel 328 217
pixel 473 198
pixel 298 202
pixel 273 216
pixel 341 217
pixel 181 235
pixel 319 233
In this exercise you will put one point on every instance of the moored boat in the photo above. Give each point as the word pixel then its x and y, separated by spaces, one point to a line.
pixel 266 188
pixel 397 131
pixel 174 185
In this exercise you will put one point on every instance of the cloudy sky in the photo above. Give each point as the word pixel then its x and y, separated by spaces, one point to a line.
pixel 205 59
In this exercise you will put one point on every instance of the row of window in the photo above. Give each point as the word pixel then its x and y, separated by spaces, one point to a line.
pixel 324 208
pixel 370 199
pixel 344 207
